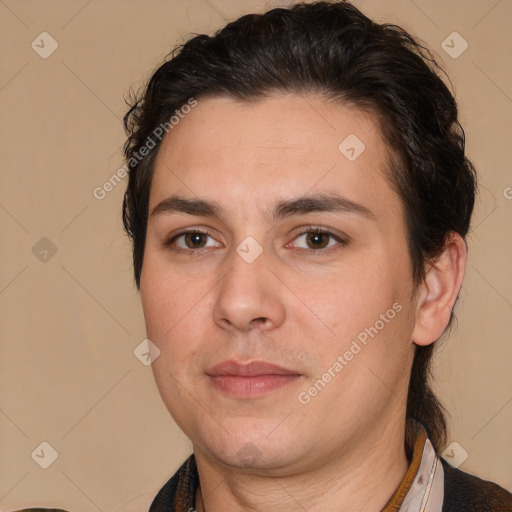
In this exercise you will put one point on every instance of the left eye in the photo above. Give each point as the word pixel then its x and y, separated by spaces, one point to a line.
pixel 319 239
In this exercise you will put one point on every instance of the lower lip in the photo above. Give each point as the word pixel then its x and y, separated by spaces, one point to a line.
pixel 251 387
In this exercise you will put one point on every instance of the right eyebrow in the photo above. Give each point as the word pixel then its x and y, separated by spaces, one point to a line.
pixel 179 204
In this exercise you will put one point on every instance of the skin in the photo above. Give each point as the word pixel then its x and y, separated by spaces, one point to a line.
pixel 288 307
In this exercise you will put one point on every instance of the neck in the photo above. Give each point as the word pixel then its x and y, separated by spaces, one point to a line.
pixel 363 479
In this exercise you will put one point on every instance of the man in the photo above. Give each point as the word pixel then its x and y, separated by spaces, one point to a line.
pixel 298 202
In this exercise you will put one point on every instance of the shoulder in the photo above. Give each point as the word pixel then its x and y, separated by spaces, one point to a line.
pixel 468 493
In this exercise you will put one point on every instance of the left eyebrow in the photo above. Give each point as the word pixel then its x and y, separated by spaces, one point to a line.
pixel 283 209
pixel 317 203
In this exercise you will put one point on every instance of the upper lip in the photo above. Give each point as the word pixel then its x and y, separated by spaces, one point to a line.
pixel 248 369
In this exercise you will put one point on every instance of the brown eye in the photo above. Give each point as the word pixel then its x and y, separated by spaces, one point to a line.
pixel 194 240
pixel 317 240
pixel 191 241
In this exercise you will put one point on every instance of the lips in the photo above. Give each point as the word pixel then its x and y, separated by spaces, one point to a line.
pixel 252 380
pixel 251 369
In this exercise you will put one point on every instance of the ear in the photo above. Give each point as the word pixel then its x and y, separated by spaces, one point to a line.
pixel 439 290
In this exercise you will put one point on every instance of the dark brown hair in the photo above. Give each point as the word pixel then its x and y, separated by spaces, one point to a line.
pixel 331 49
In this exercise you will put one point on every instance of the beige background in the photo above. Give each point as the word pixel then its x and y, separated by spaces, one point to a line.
pixel 68 375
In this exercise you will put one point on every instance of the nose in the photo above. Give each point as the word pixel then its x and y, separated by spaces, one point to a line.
pixel 249 296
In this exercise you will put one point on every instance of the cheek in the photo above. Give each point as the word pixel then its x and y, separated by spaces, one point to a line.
pixel 165 296
pixel 174 315
pixel 364 312
pixel 348 301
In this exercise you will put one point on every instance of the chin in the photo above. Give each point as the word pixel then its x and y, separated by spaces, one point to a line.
pixel 249 449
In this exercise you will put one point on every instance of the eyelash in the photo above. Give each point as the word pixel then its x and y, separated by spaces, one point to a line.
pixel 308 230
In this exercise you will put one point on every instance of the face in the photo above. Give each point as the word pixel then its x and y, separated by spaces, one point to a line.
pixel 296 256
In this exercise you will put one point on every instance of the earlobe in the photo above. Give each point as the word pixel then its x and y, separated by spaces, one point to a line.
pixel 439 291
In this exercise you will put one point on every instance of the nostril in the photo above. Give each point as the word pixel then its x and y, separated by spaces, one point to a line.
pixel 260 320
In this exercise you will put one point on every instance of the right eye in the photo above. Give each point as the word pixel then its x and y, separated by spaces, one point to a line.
pixel 193 240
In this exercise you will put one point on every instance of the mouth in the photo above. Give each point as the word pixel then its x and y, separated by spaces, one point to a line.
pixel 251 380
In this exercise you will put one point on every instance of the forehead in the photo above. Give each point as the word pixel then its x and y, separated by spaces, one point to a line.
pixel 284 145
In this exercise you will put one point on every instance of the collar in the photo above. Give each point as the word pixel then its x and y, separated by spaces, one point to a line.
pixel 422 488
